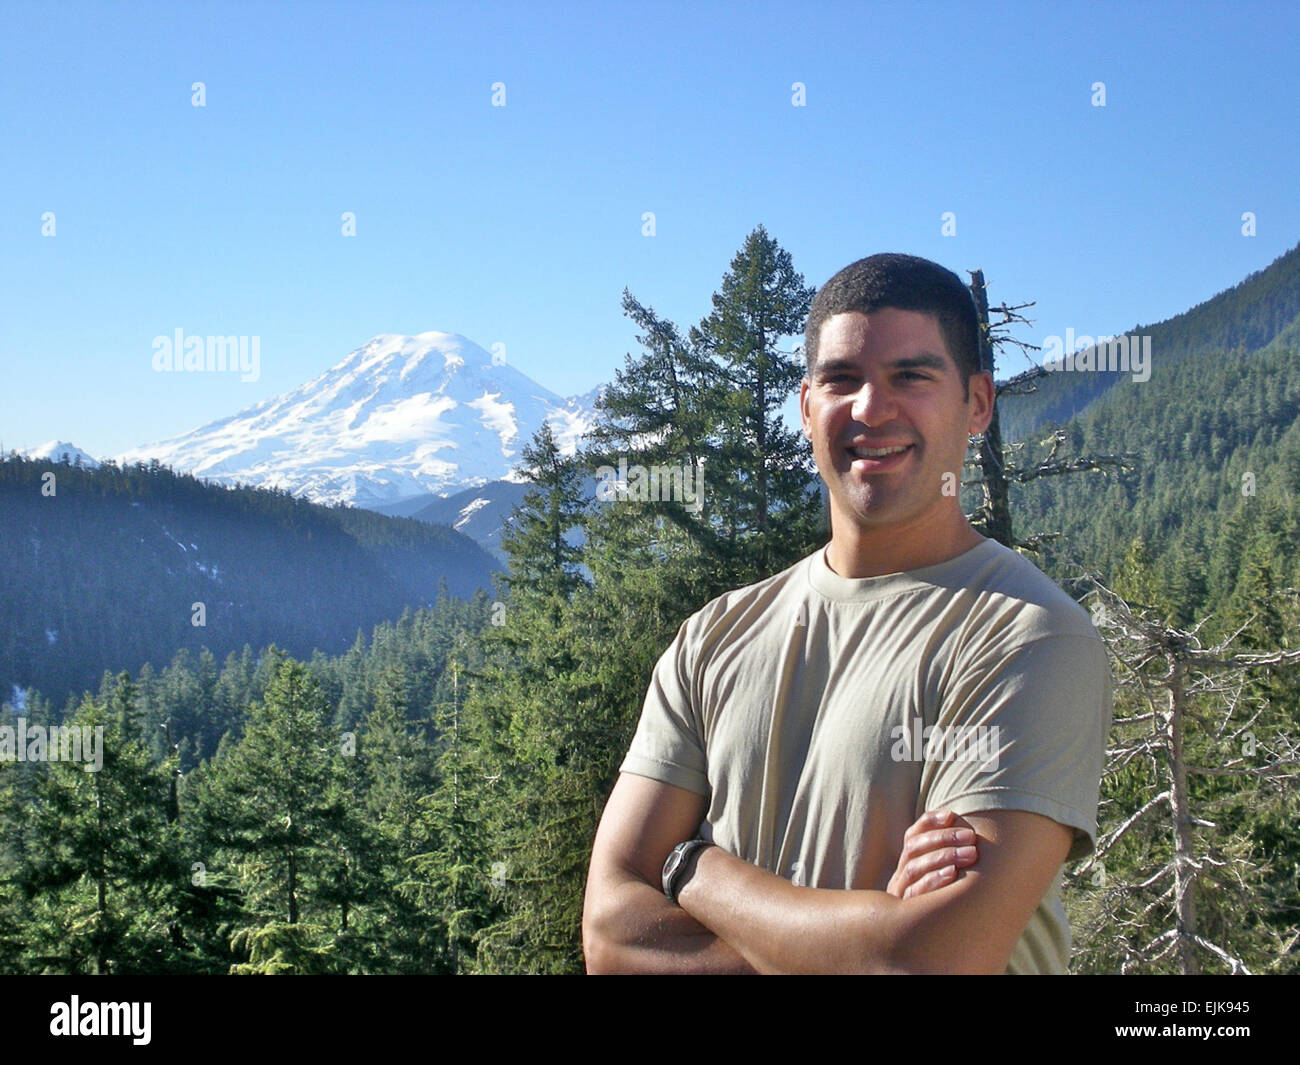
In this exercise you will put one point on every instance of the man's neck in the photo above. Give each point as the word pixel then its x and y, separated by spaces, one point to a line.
pixel 855 552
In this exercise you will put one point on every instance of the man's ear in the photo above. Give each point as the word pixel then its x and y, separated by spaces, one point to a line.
pixel 804 387
pixel 983 395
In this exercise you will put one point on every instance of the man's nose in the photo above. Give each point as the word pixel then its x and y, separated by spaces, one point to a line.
pixel 874 404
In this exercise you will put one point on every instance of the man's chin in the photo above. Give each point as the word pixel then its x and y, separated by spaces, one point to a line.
pixel 877 510
pixel 875 514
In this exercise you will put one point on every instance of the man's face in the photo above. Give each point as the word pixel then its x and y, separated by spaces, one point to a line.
pixel 887 381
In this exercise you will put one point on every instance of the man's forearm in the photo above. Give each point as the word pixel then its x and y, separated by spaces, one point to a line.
pixel 971 925
pixel 780 928
pixel 638 930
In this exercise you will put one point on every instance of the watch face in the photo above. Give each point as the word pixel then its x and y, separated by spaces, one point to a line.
pixel 671 866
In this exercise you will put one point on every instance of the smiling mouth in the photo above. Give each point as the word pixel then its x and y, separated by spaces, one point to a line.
pixel 877 452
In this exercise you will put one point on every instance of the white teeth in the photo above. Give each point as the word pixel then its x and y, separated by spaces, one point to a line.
pixel 877 452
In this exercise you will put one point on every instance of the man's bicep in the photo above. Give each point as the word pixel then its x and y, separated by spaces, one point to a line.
pixel 980 918
pixel 1040 717
pixel 643 820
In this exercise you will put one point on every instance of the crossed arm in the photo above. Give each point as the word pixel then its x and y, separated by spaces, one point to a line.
pixel 734 917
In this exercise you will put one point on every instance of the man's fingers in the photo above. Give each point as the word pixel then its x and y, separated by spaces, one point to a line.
pixel 932 870
pixel 935 849
pixel 931 819
pixel 955 836
pixel 921 866
pixel 931 881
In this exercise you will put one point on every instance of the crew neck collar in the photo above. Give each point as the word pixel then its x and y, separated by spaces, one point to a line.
pixel 955 572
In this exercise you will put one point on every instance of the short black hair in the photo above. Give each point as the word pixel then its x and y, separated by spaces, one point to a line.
pixel 906 283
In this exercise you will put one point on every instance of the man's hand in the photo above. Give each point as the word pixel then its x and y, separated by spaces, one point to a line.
pixel 938 844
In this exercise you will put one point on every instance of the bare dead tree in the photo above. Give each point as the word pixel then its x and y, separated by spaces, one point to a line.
pixel 1183 711
pixel 1000 466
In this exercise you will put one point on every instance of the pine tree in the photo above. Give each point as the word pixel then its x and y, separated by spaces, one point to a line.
pixel 761 472
pixel 451 877
pixel 103 873
pixel 662 410
pixel 665 400
pixel 1186 581
pixel 534 719
pixel 510 857
pixel 276 805
pixel 543 563
pixel 1136 581
pixel 18 842
pixel 557 701
pixel 399 933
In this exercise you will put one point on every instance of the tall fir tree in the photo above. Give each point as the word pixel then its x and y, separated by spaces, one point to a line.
pixel 762 473
pixel 105 872
pixel 276 808
pixel 543 561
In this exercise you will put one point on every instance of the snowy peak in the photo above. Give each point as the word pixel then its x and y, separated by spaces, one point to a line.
pixel 400 416
pixel 423 360
pixel 58 451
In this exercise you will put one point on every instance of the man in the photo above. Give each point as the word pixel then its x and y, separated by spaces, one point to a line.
pixel 800 726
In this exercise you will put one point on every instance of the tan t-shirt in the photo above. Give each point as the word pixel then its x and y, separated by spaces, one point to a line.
pixel 799 706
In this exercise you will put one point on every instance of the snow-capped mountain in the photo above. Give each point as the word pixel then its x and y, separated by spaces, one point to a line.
pixel 58 451
pixel 401 416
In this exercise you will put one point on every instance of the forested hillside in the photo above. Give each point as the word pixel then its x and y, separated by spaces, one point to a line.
pixel 115 567
pixel 1245 318
pixel 1216 490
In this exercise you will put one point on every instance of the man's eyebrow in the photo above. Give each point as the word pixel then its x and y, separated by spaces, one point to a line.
pixel 924 360
pixel 825 366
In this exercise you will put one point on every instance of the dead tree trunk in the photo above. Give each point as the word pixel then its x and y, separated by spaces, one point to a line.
pixel 995 515
pixel 1181 811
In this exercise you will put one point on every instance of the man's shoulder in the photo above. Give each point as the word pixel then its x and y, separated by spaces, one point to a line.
pixel 1041 607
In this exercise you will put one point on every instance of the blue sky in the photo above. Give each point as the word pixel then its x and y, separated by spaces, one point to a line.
pixel 522 224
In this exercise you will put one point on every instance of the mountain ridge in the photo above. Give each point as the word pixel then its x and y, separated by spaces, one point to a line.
pixel 401 416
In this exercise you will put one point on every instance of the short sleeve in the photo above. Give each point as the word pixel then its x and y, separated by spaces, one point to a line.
pixel 669 743
pixel 1027 732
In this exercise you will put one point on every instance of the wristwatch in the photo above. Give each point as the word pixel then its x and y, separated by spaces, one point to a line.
pixel 680 865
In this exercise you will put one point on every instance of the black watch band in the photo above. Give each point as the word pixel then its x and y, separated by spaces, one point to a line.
pixel 680 864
